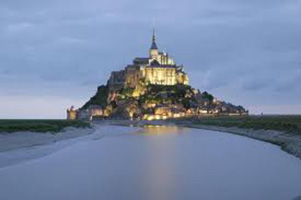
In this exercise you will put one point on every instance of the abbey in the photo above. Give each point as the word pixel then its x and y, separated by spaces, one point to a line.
pixel 156 69
pixel 151 88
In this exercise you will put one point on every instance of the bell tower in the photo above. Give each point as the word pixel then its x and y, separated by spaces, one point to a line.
pixel 153 52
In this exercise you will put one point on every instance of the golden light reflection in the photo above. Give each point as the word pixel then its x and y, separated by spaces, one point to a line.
pixel 163 148
pixel 161 129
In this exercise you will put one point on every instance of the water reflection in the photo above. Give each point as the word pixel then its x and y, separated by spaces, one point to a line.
pixel 154 163
pixel 160 174
pixel 162 130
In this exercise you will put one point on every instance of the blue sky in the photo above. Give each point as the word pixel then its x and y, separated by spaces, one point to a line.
pixel 54 54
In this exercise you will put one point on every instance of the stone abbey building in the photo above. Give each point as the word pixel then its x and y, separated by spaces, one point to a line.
pixel 156 69
pixel 142 91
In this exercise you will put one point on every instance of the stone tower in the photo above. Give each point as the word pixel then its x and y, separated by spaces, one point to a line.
pixel 153 52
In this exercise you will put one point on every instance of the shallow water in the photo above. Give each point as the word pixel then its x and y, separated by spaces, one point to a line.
pixel 156 163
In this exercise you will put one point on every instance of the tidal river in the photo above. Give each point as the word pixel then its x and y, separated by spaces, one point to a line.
pixel 156 163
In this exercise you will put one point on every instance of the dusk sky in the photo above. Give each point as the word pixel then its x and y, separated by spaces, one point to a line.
pixel 54 54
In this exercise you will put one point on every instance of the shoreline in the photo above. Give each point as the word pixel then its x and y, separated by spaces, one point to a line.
pixel 290 143
pixel 23 146
pixel 27 139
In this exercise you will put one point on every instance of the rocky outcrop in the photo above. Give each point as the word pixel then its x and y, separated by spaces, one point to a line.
pixel 100 98
pixel 146 101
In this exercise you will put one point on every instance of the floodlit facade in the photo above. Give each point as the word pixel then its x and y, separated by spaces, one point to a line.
pixel 156 69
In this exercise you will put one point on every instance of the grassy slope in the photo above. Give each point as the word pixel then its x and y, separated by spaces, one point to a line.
pixel 100 98
pixel 288 124
pixel 39 125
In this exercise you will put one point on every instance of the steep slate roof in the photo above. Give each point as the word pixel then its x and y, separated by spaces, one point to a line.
pixel 163 66
pixel 154 45
pixel 141 60
pixel 155 63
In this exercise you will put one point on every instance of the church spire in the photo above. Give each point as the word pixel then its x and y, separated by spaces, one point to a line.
pixel 154 35
pixel 154 44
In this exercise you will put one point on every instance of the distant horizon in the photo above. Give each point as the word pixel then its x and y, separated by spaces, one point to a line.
pixel 258 115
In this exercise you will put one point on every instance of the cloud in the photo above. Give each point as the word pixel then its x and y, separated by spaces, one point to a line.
pixel 236 49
